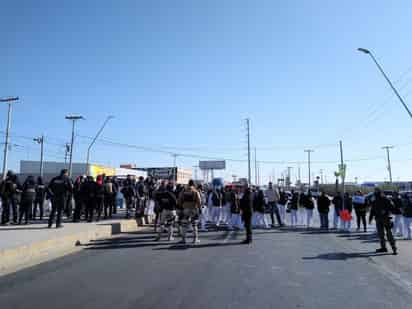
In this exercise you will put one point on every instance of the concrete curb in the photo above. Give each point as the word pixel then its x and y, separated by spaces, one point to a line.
pixel 14 259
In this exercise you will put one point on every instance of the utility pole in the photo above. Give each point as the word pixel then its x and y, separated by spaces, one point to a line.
pixel 93 141
pixel 66 152
pixel 248 149
pixel 40 140
pixel 309 151
pixel 9 101
pixel 288 182
pixel 321 176
pixel 256 169
pixel 389 161
pixel 175 155
pixel 342 170
pixel 73 119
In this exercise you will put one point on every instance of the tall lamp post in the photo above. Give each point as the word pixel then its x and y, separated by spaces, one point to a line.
pixel 73 119
pixel 94 140
pixel 9 101
pixel 368 52
pixel 40 140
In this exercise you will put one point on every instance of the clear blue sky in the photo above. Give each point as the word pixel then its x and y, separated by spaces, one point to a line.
pixel 185 74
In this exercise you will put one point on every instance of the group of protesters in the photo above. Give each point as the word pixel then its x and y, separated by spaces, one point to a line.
pixel 87 198
pixel 172 206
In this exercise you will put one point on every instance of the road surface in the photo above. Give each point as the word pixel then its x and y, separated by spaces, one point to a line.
pixel 281 269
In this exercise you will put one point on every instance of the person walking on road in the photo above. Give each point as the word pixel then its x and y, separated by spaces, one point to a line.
pixel 59 189
pixel 323 209
pixel 359 204
pixel 381 209
pixel 190 201
pixel 272 195
pixel 397 212
pixel 166 201
pixel 27 199
pixel 246 207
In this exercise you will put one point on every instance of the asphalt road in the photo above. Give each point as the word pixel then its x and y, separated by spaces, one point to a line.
pixel 281 269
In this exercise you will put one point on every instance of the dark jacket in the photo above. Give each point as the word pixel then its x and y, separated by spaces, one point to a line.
pixel 397 206
pixel 166 200
pixel 407 207
pixel 323 204
pixel 259 202
pixel 283 198
pixel 308 202
pixel 246 203
pixel 337 202
pixel 40 192
pixel 348 203
pixel 60 187
pixel 294 201
pixel 381 209
pixel 29 191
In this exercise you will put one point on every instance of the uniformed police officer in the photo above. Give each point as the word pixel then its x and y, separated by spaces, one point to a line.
pixel 9 191
pixel 381 210
pixel 27 198
pixel 246 207
pixel 190 201
pixel 59 189
pixel 40 198
pixel 166 201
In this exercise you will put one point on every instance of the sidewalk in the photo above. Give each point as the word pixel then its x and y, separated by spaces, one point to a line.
pixel 22 246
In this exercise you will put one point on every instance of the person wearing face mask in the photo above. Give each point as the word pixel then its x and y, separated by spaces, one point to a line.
pixel 381 209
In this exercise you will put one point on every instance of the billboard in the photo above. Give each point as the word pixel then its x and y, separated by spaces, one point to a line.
pixel 95 170
pixel 212 165
pixel 162 172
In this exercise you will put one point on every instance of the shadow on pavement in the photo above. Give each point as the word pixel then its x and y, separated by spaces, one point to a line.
pixel 342 256
pixel 199 246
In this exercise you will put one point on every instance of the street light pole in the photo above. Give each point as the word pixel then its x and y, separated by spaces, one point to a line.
pixel 72 118
pixel 309 151
pixel 368 52
pixel 248 149
pixel 40 140
pixel 9 101
pixel 93 141
pixel 389 161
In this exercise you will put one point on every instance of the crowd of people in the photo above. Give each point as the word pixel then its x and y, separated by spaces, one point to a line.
pixel 174 208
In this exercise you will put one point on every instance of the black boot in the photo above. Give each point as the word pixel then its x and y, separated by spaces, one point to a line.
pixel 381 250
